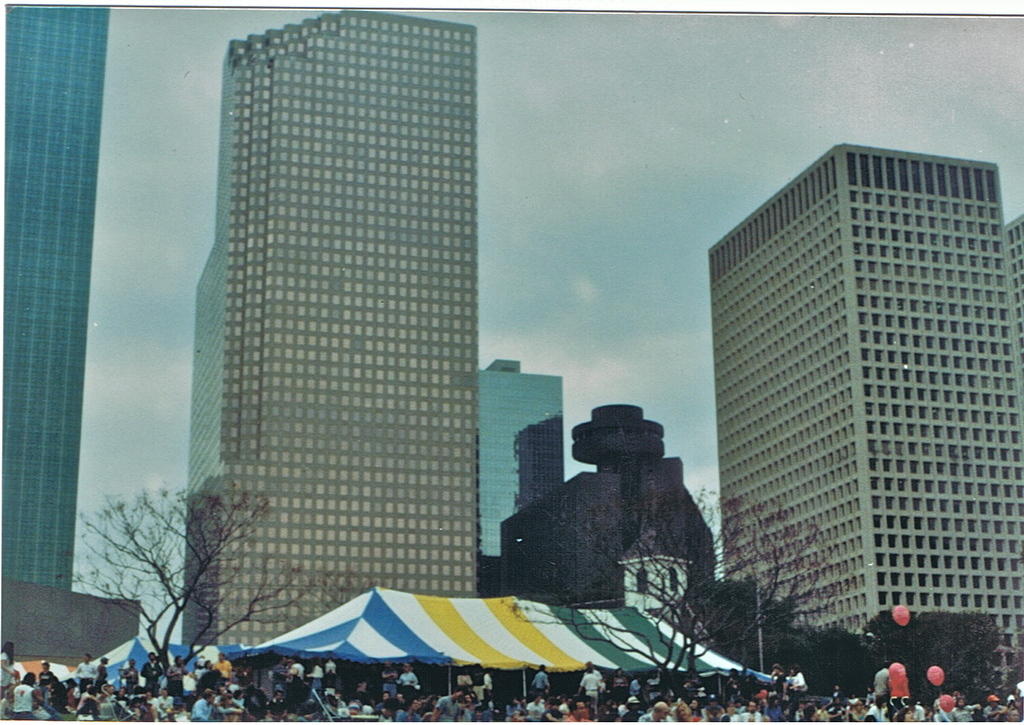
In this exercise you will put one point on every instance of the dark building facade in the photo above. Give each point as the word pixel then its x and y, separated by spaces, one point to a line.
pixel 55 67
pixel 570 545
pixel 55 624
pixel 539 459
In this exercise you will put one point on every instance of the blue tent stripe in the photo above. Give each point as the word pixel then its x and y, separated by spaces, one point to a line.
pixel 376 614
pixel 391 627
pixel 318 640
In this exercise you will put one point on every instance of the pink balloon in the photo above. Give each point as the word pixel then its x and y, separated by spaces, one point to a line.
pixel 946 703
pixel 901 615
pixel 897 671
pixel 936 676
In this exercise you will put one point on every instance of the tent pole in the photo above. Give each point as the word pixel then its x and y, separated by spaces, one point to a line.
pixel 524 683
pixel 449 679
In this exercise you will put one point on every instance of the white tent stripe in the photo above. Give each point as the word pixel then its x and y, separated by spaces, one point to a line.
pixel 369 641
pixel 120 653
pixel 409 609
pixel 562 636
pixel 482 619
pixel 710 658
pixel 611 628
pixel 345 613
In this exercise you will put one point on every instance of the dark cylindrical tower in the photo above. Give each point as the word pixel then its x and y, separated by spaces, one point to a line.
pixel 617 438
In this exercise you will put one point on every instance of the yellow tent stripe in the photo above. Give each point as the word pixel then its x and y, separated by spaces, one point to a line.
pixel 448 619
pixel 512 619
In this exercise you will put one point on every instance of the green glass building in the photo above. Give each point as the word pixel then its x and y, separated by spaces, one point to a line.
pixel 55 68
pixel 521 447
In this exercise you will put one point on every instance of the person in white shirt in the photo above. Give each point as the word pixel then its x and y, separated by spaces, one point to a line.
pixel 316 676
pixel 878 709
pixel 24 698
pixel 86 672
pixel 750 714
pixel 408 683
pixel 163 704
pixel 536 708
pixel 796 686
pixel 591 684
pixel 7 675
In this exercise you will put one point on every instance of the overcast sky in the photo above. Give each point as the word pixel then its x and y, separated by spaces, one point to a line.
pixel 614 150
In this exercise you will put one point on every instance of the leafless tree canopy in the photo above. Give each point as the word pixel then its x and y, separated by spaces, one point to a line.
pixel 176 554
pixel 765 562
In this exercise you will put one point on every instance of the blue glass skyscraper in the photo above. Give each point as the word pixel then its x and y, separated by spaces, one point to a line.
pixel 55 67
pixel 521 451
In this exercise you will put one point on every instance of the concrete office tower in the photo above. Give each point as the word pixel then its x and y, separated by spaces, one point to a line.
pixel 336 326
pixel 521 451
pixel 1015 244
pixel 866 379
pixel 55 67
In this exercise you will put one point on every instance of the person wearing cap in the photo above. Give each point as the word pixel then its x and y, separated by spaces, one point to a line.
pixel 994 710
pixel 634 709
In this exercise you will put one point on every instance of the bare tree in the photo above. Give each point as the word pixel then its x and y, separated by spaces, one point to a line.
pixel 181 555
pixel 693 598
pixel 327 590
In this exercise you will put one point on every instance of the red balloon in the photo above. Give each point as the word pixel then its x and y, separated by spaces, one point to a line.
pixel 946 703
pixel 897 671
pixel 901 615
pixel 936 676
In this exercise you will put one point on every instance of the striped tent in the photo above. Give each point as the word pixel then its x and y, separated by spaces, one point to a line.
pixel 137 649
pixel 384 625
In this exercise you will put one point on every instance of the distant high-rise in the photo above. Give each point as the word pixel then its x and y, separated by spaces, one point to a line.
pixel 1015 244
pixel 336 327
pixel 867 377
pixel 521 448
pixel 55 68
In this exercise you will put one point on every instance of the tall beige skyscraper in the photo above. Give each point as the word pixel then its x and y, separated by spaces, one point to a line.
pixel 867 380
pixel 1015 242
pixel 336 326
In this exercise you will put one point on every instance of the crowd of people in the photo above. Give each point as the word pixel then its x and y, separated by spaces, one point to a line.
pixel 314 690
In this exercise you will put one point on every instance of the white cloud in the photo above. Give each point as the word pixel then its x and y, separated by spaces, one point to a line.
pixel 585 290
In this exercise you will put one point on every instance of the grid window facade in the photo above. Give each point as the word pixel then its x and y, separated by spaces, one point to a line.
pixel 55 67
pixel 1015 247
pixel 336 324
pixel 867 373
